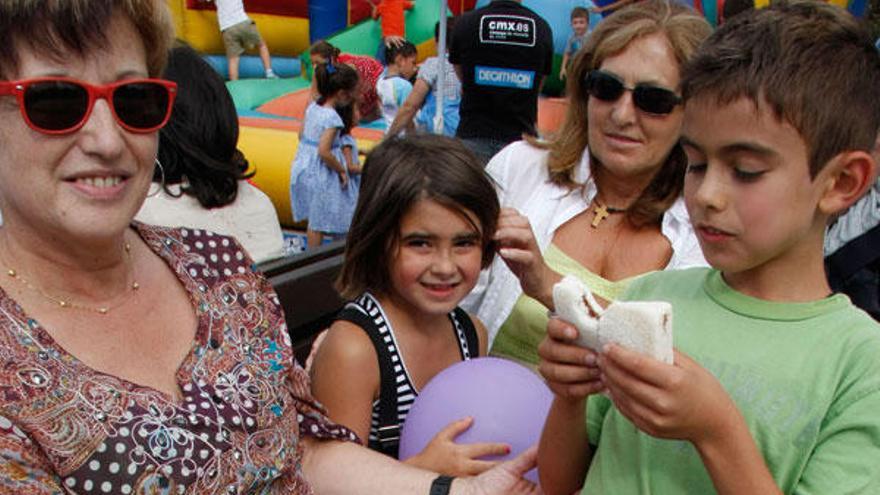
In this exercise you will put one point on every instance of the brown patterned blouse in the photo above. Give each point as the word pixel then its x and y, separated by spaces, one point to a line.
pixel 66 427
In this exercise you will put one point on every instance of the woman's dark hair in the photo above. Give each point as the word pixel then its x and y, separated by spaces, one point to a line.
pixel 332 77
pixel 198 146
pixel 398 173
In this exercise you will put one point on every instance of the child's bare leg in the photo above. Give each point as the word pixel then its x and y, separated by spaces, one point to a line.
pixel 313 238
pixel 265 57
pixel 233 66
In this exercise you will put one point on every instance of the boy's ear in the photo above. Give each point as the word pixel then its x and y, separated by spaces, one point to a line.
pixel 847 177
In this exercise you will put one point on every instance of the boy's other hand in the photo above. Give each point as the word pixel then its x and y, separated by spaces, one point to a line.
pixel 562 73
pixel 570 370
pixel 678 401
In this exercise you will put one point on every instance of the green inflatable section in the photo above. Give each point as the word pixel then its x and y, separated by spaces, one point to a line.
pixel 251 93
pixel 363 38
pixel 360 39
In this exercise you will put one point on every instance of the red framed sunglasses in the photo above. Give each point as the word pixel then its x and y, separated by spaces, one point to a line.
pixel 61 105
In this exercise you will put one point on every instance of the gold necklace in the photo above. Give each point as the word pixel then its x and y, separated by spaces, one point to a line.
pixel 64 303
pixel 602 211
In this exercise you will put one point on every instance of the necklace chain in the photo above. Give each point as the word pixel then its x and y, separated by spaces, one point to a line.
pixel 66 304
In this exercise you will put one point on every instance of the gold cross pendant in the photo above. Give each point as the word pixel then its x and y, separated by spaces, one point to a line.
pixel 600 212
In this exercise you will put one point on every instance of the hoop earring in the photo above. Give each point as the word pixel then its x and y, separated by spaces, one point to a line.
pixel 161 180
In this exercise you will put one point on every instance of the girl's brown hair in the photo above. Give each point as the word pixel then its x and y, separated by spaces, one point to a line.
pixel 397 174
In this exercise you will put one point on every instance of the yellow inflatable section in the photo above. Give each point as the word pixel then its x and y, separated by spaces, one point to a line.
pixel 286 36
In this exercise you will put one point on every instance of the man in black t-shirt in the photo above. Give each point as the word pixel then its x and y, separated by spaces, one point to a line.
pixel 501 53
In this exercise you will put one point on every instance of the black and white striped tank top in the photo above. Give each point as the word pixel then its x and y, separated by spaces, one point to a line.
pixel 396 390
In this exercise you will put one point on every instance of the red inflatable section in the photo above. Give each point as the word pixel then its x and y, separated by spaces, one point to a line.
pixel 289 8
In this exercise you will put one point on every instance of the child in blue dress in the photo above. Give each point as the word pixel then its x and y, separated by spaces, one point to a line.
pixel 319 180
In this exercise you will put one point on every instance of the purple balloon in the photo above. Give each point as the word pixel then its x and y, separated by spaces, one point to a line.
pixel 508 402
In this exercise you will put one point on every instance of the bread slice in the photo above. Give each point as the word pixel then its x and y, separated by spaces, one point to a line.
pixel 643 326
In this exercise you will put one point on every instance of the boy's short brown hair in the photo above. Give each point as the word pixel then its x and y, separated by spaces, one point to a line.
pixel 812 64
pixel 580 12
pixel 398 173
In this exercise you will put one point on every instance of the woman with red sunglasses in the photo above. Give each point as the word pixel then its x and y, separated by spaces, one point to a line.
pixel 601 200
pixel 134 358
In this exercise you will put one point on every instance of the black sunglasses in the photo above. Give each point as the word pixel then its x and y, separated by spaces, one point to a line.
pixel 646 97
pixel 61 105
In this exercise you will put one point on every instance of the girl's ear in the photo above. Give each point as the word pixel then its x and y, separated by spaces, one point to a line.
pixel 847 177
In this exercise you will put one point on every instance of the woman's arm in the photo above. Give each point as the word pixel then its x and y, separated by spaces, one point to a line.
pixel 333 468
pixel 345 377
pixel 408 110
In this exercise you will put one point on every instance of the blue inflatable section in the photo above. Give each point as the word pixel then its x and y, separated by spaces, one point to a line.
pixel 250 66
pixel 326 18
pixel 557 13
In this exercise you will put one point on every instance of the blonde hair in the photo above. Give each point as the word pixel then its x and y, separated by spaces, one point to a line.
pixel 685 30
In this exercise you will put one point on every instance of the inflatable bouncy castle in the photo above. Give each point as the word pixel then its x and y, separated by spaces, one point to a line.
pixel 271 111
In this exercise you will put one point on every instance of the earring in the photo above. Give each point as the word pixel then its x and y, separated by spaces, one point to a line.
pixel 161 179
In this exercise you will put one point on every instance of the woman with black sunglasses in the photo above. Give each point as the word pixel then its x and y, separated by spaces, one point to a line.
pixel 601 199
pixel 134 358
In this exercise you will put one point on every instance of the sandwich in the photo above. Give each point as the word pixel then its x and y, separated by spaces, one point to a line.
pixel 643 326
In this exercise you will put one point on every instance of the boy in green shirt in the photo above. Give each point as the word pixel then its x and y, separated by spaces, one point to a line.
pixel 775 386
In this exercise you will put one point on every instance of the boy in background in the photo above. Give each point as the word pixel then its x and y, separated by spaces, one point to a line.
pixel 420 107
pixel 580 24
pixel 394 86
pixel 775 386
pixel 391 19
pixel 240 34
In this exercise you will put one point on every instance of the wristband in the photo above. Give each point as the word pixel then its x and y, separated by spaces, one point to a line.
pixel 441 485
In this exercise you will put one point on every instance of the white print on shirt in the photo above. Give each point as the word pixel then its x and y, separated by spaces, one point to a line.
pixel 507 30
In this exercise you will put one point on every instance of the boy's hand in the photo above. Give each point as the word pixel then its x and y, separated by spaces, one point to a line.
pixel 343 179
pixel 562 72
pixel 570 370
pixel 445 456
pixel 519 250
pixel 679 401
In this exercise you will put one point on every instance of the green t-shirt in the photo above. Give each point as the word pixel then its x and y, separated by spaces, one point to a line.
pixel 806 377
pixel 525 327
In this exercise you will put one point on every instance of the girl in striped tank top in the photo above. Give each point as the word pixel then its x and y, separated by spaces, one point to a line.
pixel 422 230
